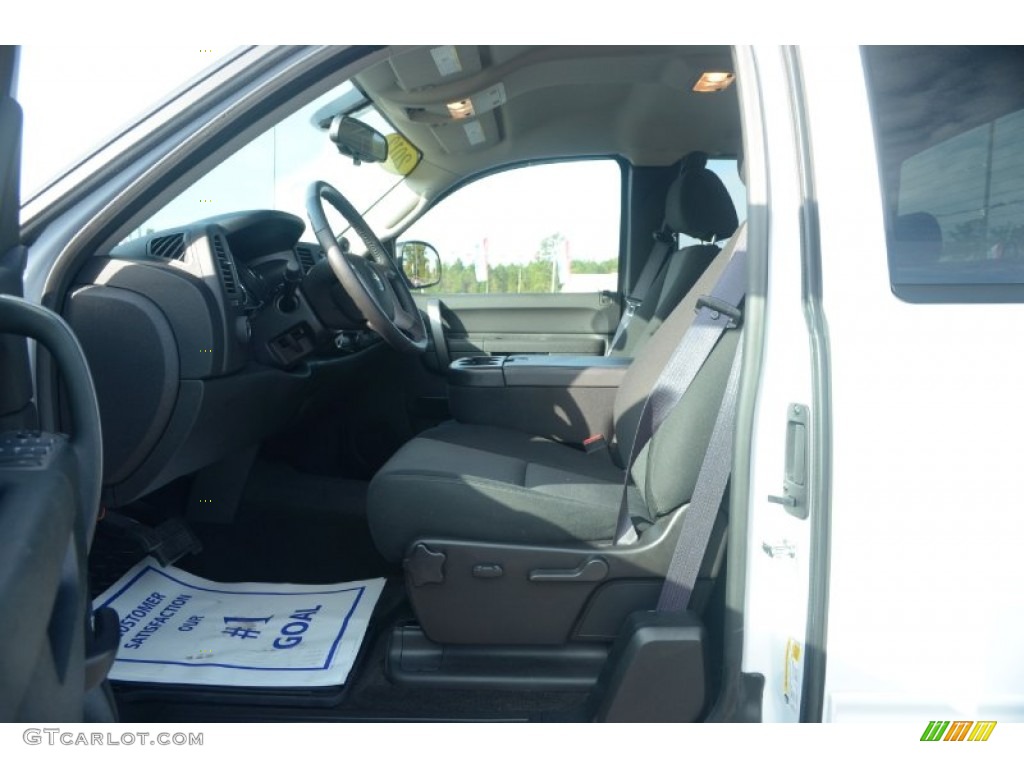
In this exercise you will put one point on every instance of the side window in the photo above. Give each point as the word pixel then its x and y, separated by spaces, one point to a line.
pixel 549 228
pixel 949 124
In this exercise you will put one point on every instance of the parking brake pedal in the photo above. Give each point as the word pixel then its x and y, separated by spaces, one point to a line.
pixel 168 542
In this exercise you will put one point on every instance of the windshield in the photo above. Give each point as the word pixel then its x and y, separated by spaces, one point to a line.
pixel 74 98
pixel 274 171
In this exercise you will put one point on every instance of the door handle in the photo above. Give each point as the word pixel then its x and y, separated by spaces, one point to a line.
pixel 794 484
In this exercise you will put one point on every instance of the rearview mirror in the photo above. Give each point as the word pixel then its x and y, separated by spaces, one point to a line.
pixel 357 140
pixel 420 263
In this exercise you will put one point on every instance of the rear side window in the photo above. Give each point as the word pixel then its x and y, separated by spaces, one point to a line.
pixel 949 125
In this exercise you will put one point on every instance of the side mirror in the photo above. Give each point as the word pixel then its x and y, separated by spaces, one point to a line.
pixel 420 263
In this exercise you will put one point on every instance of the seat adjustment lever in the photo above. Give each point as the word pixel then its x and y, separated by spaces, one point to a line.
pixel 424 566
pixel 594 569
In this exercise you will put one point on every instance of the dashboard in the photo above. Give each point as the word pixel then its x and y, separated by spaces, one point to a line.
pixel 204 339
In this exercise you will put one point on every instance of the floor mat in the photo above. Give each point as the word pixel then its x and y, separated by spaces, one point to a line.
pixel 294 528
pixel 177 628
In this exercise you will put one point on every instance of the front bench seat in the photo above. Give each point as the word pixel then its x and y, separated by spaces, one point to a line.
pixel 491 484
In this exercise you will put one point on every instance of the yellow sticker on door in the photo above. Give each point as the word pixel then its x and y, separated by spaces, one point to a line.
pixel 792 674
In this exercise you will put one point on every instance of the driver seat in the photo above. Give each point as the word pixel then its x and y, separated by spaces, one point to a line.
pixel 478 483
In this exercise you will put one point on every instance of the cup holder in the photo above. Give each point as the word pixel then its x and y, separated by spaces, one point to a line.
pixel 483 361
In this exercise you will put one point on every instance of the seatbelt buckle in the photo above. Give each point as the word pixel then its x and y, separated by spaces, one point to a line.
pixel 718 308
pixel 632 305
pixel 594 443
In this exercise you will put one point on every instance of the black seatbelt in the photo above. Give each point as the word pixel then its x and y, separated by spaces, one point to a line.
pixel 716 312
pixel 665 243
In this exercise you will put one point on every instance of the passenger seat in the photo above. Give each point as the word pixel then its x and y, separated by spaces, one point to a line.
pixel 699 206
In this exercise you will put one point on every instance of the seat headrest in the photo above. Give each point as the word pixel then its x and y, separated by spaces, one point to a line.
pixel 698 203
pixel 916 239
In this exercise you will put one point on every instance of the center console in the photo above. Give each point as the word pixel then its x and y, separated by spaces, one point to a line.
pixel 562 397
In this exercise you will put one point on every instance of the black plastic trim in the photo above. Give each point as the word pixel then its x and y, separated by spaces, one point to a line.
pixel 517 610
pixel 49 499
pixel 657 671
pixel 136 379
pixel 413 659
pixel 21 317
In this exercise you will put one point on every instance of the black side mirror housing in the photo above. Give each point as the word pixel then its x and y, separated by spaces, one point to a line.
pixel 420 263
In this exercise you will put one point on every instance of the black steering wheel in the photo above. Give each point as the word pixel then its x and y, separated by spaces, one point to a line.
pixel 374 283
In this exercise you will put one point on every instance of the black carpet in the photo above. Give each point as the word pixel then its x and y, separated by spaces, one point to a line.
pixel 304 529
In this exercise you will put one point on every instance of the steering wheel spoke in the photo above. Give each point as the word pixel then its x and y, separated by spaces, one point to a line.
pixel 409 322
pixel 375 284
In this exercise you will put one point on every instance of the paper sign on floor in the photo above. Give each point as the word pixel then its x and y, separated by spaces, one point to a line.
pixel 178 628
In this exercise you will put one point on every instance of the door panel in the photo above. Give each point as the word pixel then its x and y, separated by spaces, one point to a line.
pixel 15 383
pixel 572 323
pixel 49 499
pixel 53 652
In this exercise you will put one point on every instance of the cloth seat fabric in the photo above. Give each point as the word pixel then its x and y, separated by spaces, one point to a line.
pixel 486 483
pixel 482 483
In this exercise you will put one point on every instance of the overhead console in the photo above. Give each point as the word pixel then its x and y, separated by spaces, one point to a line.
pixel 564 397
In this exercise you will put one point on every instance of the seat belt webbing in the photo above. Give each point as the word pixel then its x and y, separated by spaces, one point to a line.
pixel 716 312
pixel 664 245
pixel 695 532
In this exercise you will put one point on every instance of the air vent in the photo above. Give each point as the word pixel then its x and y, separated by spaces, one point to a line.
pixel 306 257
pixel 227 274
pixel 171 247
